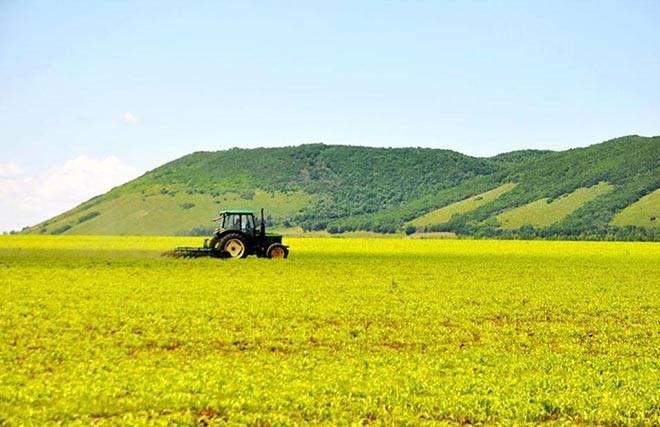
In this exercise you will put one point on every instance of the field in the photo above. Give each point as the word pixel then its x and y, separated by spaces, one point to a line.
pixel 444 214
pixel 169 212
pixel 644 213
pixel 103 330
pixel 542 213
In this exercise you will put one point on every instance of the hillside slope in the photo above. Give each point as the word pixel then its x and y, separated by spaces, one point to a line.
pixel 346 188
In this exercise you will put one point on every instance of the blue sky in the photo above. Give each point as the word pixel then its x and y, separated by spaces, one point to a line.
pixel 126 86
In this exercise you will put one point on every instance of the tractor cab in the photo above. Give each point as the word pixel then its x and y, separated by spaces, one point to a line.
pixel 237 220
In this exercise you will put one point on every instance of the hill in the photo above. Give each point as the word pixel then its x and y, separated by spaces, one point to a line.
pixel 582 193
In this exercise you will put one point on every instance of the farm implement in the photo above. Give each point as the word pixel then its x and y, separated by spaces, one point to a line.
pixel 237 237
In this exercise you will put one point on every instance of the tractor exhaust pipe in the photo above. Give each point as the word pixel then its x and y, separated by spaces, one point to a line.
pixel 263 224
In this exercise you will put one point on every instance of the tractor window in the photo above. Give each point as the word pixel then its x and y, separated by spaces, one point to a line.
pixel 247 223
pixel 231 222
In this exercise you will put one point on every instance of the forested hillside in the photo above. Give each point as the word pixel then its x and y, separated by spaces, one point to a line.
pixel 574 194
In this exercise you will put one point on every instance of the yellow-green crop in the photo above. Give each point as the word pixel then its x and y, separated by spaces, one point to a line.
pixel 103 330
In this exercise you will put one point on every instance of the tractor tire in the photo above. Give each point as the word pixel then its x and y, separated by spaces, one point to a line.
pixel 277 251
pixel 233 245
pixel 216 250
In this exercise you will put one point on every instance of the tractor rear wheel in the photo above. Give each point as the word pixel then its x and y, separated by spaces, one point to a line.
pixel 233 245
pixel 277 251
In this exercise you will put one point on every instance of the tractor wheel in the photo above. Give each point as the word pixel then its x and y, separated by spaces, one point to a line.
pixel 233 246
pixel 277 251
pixel 216 249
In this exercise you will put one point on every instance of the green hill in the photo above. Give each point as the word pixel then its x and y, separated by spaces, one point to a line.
pixel 644 212
pixel 444 214
pixel 345 188
pixel 543 213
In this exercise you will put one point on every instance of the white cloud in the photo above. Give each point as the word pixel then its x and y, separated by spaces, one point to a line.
pixel 10 169
pixel 28 199
pixel 130 118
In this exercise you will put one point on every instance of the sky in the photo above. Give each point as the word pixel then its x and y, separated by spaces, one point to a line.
pixel 93 94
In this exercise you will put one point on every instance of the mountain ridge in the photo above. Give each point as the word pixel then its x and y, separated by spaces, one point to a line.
pixel 339 188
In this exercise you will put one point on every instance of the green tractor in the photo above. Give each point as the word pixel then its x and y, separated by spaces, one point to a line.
pixel 237 237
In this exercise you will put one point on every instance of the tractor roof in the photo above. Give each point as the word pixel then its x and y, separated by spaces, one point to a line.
pixel 237 211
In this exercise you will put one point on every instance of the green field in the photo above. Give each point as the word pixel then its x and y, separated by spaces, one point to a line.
pixel 542 213
pixel 444 214
pixel 643 213
pixel 154 212
pixel 102 330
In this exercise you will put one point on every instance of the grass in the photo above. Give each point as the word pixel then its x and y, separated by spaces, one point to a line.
pixel 153 213
pixel 542 213
pixel 643 213
pixel 102 330
pixel 444 214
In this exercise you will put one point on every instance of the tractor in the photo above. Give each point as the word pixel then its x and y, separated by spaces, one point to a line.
pixel 237 237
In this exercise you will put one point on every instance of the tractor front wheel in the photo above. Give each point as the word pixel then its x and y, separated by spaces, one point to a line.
pixel 233 246
pixel 277 251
